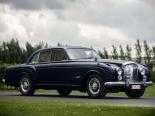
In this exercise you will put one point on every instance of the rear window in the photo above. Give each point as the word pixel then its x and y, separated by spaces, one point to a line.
pixel 59 55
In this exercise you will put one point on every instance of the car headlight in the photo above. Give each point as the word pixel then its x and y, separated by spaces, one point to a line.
pixel 142 70
pixel 119 72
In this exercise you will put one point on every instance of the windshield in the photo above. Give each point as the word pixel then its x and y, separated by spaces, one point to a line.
pixel 82 53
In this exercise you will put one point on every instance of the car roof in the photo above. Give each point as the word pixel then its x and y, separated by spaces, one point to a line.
pixel 64 47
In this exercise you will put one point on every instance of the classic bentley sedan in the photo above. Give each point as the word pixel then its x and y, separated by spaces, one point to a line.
pixel 78 68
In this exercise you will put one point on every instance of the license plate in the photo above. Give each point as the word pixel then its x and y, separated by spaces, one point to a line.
pixel 135 87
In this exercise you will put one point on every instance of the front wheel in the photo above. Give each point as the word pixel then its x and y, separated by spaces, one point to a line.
pixel 25 86
pixel 64 92
pixel 135 93
pixel 95 87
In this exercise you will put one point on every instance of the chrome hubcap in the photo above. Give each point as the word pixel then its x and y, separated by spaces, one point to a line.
pixel 94 86
pixel 25 84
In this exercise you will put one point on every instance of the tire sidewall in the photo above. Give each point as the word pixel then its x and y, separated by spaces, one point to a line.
pixel 101 92
pixel 135 93
pixel 30 91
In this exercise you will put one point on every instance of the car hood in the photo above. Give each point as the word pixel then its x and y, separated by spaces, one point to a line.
pixel 117 62
pixel 107 61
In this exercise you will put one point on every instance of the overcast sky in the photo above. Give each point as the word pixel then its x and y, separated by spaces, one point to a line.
pixel 97 23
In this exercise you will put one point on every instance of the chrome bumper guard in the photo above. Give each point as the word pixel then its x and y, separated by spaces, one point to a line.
pixel 111 84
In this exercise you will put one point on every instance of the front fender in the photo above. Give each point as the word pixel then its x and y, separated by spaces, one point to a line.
pixel 109 73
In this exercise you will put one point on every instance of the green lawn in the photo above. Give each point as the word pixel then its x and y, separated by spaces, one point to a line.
pixel 57 108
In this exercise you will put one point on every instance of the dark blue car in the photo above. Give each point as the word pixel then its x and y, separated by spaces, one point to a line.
pixel 78 68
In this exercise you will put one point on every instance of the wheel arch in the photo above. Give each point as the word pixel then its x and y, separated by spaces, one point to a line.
pixel 88 74
pixel 29 72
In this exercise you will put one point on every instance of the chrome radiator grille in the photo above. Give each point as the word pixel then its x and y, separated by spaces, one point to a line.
pixel 131 72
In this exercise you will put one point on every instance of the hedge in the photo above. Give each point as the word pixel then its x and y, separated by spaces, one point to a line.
pixel 152 76
pixel 2 69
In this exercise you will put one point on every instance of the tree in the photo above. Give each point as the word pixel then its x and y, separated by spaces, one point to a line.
pixel 4 52
pixel 0 52
pixel 29 49
pixel 153 56
pixel 138 52
pixel 101 54
pixel 147 56
pixel 59 44
pixel 14 51
pixel 122 54
pixel 128 52
pixel 114 52
pixel 105 52
pixel 40 46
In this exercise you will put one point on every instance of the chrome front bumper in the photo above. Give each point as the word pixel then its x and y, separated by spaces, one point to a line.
pixel 112 84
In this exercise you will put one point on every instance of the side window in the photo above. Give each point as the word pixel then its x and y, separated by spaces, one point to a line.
pixel 35 57
pixel 59 54
pixel 45 56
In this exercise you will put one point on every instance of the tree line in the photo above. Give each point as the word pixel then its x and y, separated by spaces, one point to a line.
pixel 12 53
pixel 147 58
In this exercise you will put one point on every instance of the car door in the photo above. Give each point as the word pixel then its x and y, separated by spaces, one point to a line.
pixel 57 71
pixel 42 67
pixel 59 67
pixel 65 71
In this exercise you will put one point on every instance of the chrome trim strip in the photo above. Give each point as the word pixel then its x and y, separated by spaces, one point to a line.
pixel 128 62
pixel 114 84
pixel 149 83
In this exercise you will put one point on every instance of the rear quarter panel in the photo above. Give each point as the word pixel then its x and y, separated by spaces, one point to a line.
pixel 13 74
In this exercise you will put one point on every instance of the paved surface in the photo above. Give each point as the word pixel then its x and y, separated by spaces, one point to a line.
pixel 144 101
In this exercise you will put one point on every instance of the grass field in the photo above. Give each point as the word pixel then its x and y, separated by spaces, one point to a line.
pixel 22 107
pixel 57 108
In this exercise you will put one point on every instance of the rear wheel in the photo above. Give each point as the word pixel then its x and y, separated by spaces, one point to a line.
pixel 25 86
pixel 135 93
pixel 95 86
pixel 64 92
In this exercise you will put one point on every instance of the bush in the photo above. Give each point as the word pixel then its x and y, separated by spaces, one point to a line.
pixel 2 69
pixel 152 76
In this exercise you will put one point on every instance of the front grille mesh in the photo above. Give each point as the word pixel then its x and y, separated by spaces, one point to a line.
pixel 131 71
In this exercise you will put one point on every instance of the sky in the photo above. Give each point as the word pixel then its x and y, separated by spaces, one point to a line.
pixel 97 23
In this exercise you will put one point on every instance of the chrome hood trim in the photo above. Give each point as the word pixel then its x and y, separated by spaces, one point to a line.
pixel 129 62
